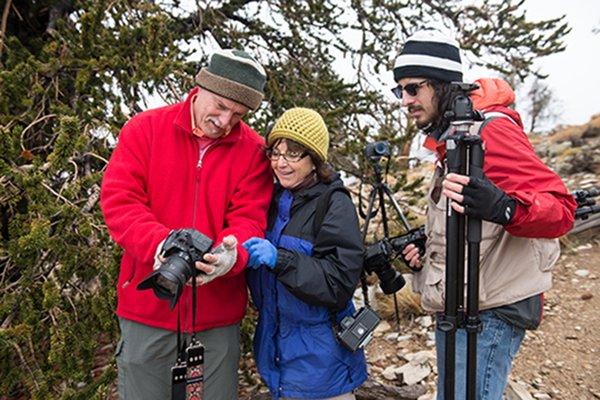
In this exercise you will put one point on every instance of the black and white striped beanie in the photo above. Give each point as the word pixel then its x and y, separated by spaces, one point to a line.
pixel 429 54
pixel 235 75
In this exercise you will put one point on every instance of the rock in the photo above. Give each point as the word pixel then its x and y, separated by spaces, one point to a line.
pixel 371 390
pixel 425 321
pixel 517 391
pixel 391 336
pixel 420 357
pixel 382 328
pixel 412 374
pixel 582 273
pixel 390 373
pixel 375 369
pixel 542 396
pixel 586 296
pixel 404 338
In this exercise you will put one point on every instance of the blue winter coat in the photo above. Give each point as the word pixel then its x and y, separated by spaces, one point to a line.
pixel 295 349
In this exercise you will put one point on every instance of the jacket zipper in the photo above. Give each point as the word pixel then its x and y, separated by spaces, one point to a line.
pixel 201 154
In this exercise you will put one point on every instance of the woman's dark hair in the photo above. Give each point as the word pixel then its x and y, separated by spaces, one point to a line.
pixel 444 97
pixel 324 170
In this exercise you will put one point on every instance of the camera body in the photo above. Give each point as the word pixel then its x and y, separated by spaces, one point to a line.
pixel 181 249
pixel 378 260
pixel 356 331
pixel 379 256
pixel 376 150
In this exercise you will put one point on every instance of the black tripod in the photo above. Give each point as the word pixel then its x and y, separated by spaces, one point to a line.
pixel 464 155
pixel 390 280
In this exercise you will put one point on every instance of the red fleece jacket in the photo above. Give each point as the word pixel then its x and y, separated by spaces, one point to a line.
pixel 545 209
pixel 156 182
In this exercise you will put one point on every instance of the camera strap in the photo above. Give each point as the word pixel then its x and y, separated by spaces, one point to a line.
pixel 187 375
pixel 178 370
pixel 320 211
pixel 194 378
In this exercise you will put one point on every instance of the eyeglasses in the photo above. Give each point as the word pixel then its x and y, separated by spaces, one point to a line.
pixel 289 156
pixel 411 88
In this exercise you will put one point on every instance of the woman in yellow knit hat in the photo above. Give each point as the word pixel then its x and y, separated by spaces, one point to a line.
pixel 303 275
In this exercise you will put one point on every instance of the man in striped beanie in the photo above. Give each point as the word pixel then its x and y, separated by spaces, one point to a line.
pixel 191 165
pixel 523 204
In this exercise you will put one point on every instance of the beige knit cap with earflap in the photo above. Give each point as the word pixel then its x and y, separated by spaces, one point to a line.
pixel 304 126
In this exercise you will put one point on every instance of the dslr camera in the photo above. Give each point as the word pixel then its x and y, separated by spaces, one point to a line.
pixel 379 256
pixel 182 249
pixel 376 150
pixel 356 331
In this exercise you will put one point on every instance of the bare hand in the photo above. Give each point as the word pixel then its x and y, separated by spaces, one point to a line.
pixel 411 255
pixel 453 186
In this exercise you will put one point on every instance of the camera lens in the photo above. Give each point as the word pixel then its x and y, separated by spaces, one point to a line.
pixel 390 280
pixel 168 281
pixel 381 148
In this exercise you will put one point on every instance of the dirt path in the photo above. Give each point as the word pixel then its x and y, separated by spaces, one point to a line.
pixel 562 358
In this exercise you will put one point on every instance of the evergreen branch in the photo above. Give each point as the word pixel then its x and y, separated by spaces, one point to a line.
pixel 35 122
pixel 3 26
pixel 58 195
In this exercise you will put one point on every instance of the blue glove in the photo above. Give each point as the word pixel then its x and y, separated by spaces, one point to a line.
pixel 261 252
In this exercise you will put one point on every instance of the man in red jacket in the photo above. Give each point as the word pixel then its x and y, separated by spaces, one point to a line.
pixel 523 204
pixel 194 164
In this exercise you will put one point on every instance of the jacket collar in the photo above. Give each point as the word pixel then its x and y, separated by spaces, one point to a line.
pixel 313 191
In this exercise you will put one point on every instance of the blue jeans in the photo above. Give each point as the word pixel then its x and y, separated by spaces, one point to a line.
pixel 497 345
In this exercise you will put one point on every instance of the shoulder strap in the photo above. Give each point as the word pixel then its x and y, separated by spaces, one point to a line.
pixel 323 206
pixel 478 126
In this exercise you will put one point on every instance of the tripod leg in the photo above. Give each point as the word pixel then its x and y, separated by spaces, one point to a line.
pixel 455 242
pixel 474 239
pixel 369 215
pixel 390 196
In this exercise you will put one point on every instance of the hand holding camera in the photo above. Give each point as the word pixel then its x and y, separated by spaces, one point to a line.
pixel 186 254
pixel 412 257
pixel 218 262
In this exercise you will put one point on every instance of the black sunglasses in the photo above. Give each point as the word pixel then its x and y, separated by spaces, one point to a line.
pixel 411 88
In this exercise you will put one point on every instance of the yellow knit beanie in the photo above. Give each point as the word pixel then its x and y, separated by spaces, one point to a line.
pixel 304 126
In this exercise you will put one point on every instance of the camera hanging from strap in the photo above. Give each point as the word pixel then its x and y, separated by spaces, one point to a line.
pixel 355 331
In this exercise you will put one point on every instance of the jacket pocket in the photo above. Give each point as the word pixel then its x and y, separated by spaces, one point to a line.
pixel 128 272
pixel 119 348
pixel 546 252
pixel 432 289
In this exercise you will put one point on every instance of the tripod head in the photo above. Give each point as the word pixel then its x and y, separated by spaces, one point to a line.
pixel 461 112
pixel 379 255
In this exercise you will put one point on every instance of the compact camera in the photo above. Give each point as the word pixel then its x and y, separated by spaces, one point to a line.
pixel 376 150
pixel 182 249
pixel 356 331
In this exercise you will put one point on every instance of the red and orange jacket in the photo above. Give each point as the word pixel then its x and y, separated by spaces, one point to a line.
pixel 545 209
pixel 157 180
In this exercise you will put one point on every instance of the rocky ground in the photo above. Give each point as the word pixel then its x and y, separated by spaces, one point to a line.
pixel 558 361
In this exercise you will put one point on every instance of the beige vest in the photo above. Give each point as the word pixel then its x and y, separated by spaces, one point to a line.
pixel 511 268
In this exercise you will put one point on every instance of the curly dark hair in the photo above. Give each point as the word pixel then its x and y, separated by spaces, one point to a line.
pixel 444 97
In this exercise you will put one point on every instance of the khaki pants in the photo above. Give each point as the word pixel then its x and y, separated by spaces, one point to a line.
pixel 145 356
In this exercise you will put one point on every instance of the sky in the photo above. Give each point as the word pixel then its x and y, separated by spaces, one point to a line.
pixel 574 74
